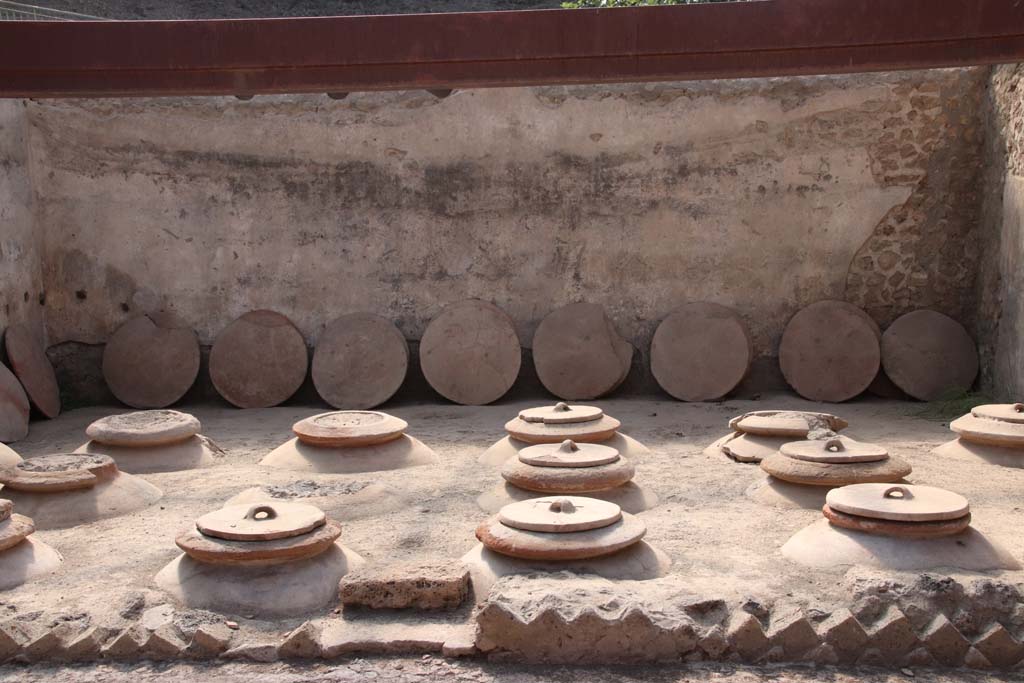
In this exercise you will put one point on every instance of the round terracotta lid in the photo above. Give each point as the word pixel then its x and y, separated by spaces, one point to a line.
pixel 560 514
pixel 541 432
pixel 568 454
pixel 830 351
pixel 785 422
pixel 929 355
pixel 360 361
pixel 150 366
pixel 1003 412
pixel 259 360
pixel 987 431
pixel 470 353
pixel 701 351
pixel 898 502
pixel 144 428
pixel 349 428
pixel 838 450
pixel 14 408
pixel 261 521
pixel 29 362
pixel 578 354
pixel 561 413
pixel 60 472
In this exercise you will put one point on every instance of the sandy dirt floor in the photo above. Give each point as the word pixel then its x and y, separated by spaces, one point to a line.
pixel 723 543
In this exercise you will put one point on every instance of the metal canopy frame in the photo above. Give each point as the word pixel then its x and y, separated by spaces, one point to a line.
pixel 494 49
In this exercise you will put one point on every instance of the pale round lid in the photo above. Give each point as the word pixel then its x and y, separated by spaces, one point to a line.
pixel 568 454
pixel 561 413
pixel 898 502
pixel 1004 412
pixel 785 422
pixel 261 521
pixel 838 449
pixel 144 427
pixel 350 425
pixel 560 514
pixel 65 462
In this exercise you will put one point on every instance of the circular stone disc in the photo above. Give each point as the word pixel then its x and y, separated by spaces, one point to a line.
pixel 14 408
pixel 830 351
pixel 535 545
pixel 992 432
pixel 349 428
pixel 567 480
pixel 14 530
pixel 261 521
pixel 55 473
pixel 700 352
pixel 568 454
pixel 560 514
pixel 259 360
pixel 470 353
pixel 929 355
pixel 33 368
pixel 898 503
pixel 148 366
pixel 833 474
pixel 578 354
pixel 840 449
pixel 785 423
pixel 1004 412
pixel 293 548
pixel 561 413
pixel 360 361
pixel 585 432
pixel 144 428
pixel 884 527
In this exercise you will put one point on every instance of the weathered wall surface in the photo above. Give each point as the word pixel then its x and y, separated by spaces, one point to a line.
pixel 20 275
pixel 764 195
pixel 1001 279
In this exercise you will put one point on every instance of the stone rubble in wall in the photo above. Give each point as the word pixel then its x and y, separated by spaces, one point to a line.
pixel 933 621
pixel 927 621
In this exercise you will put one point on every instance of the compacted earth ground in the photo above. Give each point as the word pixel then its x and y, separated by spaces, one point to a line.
pixel 720 542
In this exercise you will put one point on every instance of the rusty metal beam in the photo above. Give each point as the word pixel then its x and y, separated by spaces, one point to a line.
pixel 493 49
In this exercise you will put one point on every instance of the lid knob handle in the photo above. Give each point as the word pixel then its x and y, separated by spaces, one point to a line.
pixel 835 445
pixel 1018 407
pixel 903 492
pixel 562 505
pixel 568 446
pixel 261 513
pixel 562 407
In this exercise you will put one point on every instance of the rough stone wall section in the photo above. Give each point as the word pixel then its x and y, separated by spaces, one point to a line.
pixel 761 194
pixel 924 252
pixel 21 291
pixel 931 621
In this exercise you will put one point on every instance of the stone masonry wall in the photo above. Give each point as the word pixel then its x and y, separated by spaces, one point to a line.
pixel 761 194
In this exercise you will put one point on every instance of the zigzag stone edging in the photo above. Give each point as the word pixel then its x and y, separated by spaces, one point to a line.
pixel 932 621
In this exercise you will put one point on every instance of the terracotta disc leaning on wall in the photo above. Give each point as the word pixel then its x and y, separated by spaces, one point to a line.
pixel 147 365
pixel 830 351
pixel 470 353
pixel 259 360
pixel 700 352
pixel 29 362
pixel 360 361
pixel 929 355
pixel 14 409
pixel 578 354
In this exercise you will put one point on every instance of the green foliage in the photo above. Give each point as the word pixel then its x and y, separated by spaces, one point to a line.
pixel 953 404
pixel 580 4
